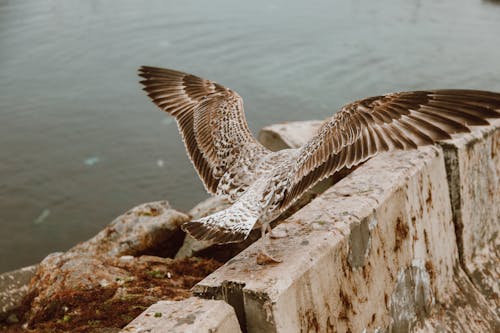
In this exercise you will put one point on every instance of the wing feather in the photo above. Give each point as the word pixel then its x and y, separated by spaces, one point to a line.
pixel 405 120
pixel 210 118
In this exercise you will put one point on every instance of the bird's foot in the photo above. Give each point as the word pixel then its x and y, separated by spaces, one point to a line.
pixel 263 258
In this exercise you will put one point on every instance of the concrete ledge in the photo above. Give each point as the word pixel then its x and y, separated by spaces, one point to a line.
pixel 473 168
pixel 346 249
pixel 376 252
pixel 191 315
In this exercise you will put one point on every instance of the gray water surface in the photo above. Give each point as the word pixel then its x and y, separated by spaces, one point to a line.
pixel 80 143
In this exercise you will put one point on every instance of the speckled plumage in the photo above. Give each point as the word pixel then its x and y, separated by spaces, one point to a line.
pixel 262 184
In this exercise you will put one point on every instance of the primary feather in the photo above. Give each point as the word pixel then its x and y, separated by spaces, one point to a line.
pixel 262 184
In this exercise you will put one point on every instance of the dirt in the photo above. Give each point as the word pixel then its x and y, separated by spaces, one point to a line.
pixel 110 308
pixel 401 232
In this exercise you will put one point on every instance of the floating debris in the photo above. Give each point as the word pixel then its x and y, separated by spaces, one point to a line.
pixel 160 163
pixel 42 217
pixel 164 43
pixel 167 120
pixel 91 160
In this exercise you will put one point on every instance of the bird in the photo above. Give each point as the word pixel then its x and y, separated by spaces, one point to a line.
pixel 261 184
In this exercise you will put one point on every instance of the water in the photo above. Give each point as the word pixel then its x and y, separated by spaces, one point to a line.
pixel 80 143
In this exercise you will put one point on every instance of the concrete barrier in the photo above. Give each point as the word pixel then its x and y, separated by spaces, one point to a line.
pixel 376 252
pixel 191 315
pixel 473 168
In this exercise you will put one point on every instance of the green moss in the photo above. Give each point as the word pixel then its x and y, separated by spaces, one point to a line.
pixel 65 319
pixel 94 323
pixel 157 274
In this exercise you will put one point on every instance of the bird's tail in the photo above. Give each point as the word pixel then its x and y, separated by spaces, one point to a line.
pixel 230 225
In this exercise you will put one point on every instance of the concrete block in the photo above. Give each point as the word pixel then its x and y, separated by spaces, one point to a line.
pixel 345 253
pixel 473 171
pixel 288 135
pixel 192 315
pixel 13 287
pixel 377 251
pixel 473 168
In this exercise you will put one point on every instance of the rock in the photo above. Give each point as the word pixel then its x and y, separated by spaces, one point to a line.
pixel 13 288
pixel 142 228
pixel 98 264
pixel 60 274
pixel 108 291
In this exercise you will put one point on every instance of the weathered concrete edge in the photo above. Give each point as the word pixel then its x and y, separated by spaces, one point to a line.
pixel 473 172
pixel 189 315
pixel 298 294
pixel 239 288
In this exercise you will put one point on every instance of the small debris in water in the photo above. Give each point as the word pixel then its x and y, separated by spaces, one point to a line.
pixel 167 120
pixel 164 43
pixel 42 217
pixel 91 161
pixel 160 163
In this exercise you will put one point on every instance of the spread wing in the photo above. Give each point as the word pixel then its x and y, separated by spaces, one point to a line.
pixel 210 119
pixel 394 121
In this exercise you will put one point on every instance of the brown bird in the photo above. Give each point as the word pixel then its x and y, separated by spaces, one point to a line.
pixel 260 183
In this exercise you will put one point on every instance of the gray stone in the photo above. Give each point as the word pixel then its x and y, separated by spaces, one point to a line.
pixel 90 265
pixel 13 287
pixel 142 228
pixel 191 315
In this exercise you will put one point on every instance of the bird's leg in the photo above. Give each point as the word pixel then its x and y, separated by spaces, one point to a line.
pixel 263 257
